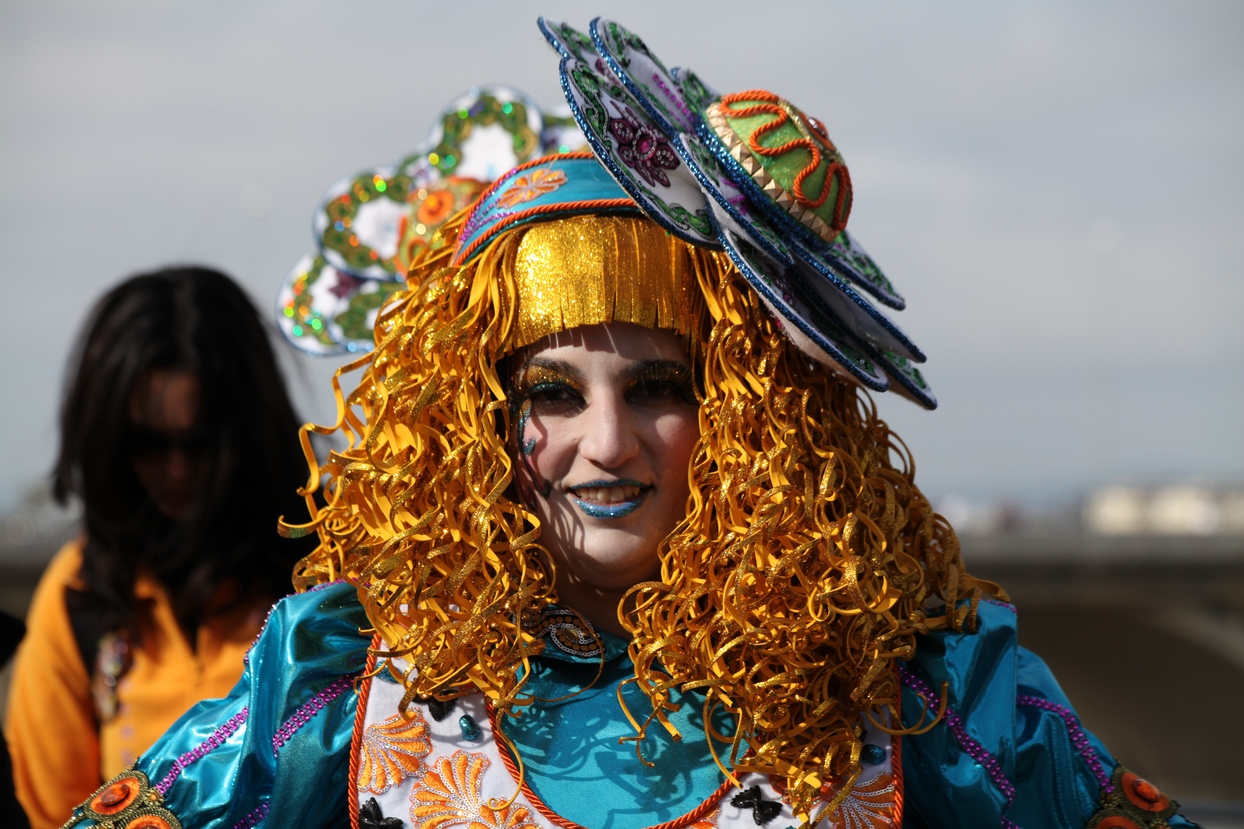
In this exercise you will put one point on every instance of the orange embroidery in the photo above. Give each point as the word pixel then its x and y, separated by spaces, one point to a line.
pixel 532 186
pixel 869 806
pixel 391 751
pixel 451 794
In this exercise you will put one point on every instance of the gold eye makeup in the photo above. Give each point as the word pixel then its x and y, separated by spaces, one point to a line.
pixel 657 380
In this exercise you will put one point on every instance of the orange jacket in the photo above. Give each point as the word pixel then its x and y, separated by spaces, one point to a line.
pixel 59 756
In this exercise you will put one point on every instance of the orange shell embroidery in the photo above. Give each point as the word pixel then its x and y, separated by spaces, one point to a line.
pixel 869 806
pixel 451 794
pixel 531 186
pixel 392 751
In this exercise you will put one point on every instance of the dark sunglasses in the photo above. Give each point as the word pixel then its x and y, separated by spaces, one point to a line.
pixel 141 442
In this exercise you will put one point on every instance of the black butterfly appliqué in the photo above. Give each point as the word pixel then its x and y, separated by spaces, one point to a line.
pixel 763 810
pixel 370 817
pixel 439 710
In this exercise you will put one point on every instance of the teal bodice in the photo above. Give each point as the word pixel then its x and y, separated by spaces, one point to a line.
pixel 1009 751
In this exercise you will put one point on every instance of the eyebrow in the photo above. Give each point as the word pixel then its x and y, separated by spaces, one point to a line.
pixel 572 373
pixel 558 366
pixel 645 366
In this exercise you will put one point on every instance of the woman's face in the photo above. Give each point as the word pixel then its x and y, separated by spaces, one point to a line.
pixel 166 447
pixel 606 423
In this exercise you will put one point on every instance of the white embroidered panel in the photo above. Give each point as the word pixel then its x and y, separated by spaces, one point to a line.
pixel 430 776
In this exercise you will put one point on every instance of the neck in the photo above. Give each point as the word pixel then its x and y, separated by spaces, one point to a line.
pixel 600 607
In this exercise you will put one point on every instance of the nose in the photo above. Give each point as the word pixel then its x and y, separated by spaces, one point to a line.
pixel 609 436
pixel 178 466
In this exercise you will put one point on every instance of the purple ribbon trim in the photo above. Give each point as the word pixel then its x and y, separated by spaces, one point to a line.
pixel 201 750
pixel 974 749
pixel 254 818
pixel 308 711
pixel 1077 735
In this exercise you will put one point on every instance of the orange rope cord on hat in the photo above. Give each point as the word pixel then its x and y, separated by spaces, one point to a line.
pixel 773 106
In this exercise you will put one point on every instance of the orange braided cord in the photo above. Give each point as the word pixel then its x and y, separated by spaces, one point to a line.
pixel 601 205
pixel 896 763
pixel 360 722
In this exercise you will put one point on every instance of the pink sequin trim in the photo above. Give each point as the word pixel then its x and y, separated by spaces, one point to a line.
pixel 198 752
pixel 308 711
pixel 1078 738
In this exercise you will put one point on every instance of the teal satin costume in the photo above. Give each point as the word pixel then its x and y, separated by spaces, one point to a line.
pixel 275 753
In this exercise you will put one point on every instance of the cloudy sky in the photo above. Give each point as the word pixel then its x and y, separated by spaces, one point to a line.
pixel 1056 187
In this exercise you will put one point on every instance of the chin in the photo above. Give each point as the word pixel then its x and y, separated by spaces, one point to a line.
pixel 613 570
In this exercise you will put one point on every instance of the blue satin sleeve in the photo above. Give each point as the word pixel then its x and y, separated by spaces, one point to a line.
pixel 1010 751
pixel 276 749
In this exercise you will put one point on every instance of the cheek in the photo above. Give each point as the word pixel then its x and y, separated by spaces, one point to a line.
pixel 676 439
pixel 548 449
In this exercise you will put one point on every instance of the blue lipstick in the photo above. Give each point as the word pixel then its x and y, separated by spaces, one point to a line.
pixel 615 510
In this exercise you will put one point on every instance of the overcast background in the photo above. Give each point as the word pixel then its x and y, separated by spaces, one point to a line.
pixel 1056 187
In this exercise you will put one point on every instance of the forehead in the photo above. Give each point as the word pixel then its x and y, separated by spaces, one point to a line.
pixel 165 399
pixel 619 342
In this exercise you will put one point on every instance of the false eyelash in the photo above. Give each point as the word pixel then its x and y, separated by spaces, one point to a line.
pixel 676 375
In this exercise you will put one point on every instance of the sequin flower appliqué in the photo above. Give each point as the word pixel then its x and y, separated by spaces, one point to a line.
pixel 533 185
pixel 392 751
pixel 869 806
pixel 451 794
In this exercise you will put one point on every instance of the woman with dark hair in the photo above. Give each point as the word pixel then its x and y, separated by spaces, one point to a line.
pixel 153 607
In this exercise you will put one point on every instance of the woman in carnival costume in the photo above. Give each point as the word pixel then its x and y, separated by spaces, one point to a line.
pixel 626 544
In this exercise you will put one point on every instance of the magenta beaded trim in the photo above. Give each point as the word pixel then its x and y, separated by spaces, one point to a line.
pixel 308 711
pixel 676 100
pixel 974 749
pixel 998 602
pixel 1078 738
pixel 254 818
pixel 198 752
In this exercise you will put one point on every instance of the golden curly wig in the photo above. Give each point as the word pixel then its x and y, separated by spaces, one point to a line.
pixel 800 574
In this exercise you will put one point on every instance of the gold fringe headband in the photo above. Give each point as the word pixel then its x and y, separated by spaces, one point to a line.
pixel 588 270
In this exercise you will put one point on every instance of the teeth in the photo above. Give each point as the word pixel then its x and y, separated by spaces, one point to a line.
pixel 608 494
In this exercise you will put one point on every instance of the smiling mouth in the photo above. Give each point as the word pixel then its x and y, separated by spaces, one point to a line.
pixel 609 499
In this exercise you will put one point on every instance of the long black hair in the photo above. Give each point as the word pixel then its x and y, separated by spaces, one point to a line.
pixel 196 320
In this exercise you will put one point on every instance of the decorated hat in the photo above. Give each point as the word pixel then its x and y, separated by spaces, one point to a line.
pixel 369 226
pixel 748 173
